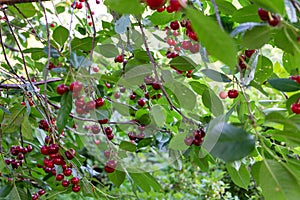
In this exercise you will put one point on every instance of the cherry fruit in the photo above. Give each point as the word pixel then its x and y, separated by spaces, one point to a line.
pixel 233 93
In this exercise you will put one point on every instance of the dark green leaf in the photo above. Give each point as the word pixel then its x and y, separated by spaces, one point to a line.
pixel 144 142
pixel 291 62
pixel 79 61
pixel 284 84
pixel 12 122
pixel 183 63
pixel 64 111
pixel 212 102
pixel 60 35
pixel 117 177
pixel 127 146
pixel 246 14
pixel 162 18
pixel 218 43
pixel 199 88
pixel 177 142
pixel 5 190
pixel 225 7
pixel 84 44
pixel 27 9
pixel 257 37
pixel 135 7
pixel 277 6
pixel 158 115
pixel 264 69
pixel 26 128
pixel 185 96
pixel 240 176
pixel 228 142
pixel 53 52
pixel 215 75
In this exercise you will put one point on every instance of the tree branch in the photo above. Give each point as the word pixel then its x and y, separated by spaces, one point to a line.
pixel 17 86
pixel 217 14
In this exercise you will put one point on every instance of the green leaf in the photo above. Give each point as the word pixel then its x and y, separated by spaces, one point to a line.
pixel 277 6
pixel 26 128
pixel 291 62
pixel 264 69
pixel 27 9
pixel 107 50
pixel 183 63
pixel 215 75
pixel 135 7
pixel 240 176
pixel 144 142
pixel 281 182
pixel 284 84
pixel 158 115
pixel 186 97
pixel 227 142
pixel 12 122
pixel 257 37
pixel 199 88
pixel 53 52
pixel 127 146
pixel 60 35
pixel 5 190
pixel 145 181
pixel 212 102
pixel 162 18
pixel 84 44
pixel 117 177
pixel 225 7
pixel 177 142
pixel 217 42
pixel 246 14
pixel 79 61
pixel 18 194
pixel 64 111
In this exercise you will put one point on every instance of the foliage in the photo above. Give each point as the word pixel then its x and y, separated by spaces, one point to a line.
pixel 189 100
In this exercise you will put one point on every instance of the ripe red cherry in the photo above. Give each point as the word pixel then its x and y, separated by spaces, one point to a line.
pixel 52 25
pixel 174 25
pixel 156 86
pixel 249 52
pixel 44 150
pixel 108 130
pixel 34 196
pixel 274 21
pixel 75 180
pixel 263 14
pixel 295 108
pixel 233 93
pixel 141 102
pixel 110 136
pixel 189 140
pixel 155 4
pixel 61 89
pixel 132 135
pixel 175 5
pixel 223 95
pixel 195 48
pixel 76 86
pixel 119 58
pixel 67 172
pixel 108 169
pixel 29 148
pixel 65 183
pixel 99 102
pixel 76 188
pixel 161 9
pixel 41 192
pixel 91 105
pixel 80 110
pixel 53 148
pixel 59 177
pixel 79 103
pixel 132 97
pixel 103 121
pixel 187 45
pixel 95 129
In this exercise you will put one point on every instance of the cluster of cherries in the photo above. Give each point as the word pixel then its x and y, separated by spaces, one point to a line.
pixel 195 139
pixel 18 155
pixel 174 5
pixel 244 58
pixel 77 5
pixel 36 195
pixel 53 159
pixel 272 19
pixel 232 94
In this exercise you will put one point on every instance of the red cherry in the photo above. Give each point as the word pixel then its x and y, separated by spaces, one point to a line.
pixel 110 136
pixel 156 86
pixel 95 129
pixel 76 86
pixel 161 9
pixel 187 45
pixel 69 155
pixel 34 196
pixel 61 89
pixel 78 5
pixel 119 58
pixel 174 25
pixel 108 169
pixel 59 177
pixel 103 121
pixel 155 4
pixel 53 148
pixel 132 135
pixel 195 48
pixel 233 93
pixel 107 153
pixel 249 52
pixel 44 150
pixel 79 103
pixel 75 180
pixel 91 105
pixel 295 108
pixel 170 9
pixel 99 102
pixel 132 97
pixel 67 172
pixel 263 14
pixel 65 183
pixel 80 110
pixel 52 25
pixel 197 142
pixel 142 102
pixel 107 85
pixel 117 95
pixel 175 5
pixel 189 140
pixel 41 192
pixel 112 163
pixel 76 188
pixel 90 23
pixel 108 130
pixel 274 21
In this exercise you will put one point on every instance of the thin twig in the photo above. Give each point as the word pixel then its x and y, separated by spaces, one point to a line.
pixel 16 86
pixel 217 14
